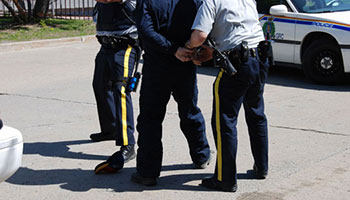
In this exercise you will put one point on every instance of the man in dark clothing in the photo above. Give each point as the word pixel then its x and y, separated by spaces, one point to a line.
pixel 164 26
pixel 114 64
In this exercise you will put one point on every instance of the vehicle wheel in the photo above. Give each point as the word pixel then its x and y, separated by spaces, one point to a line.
pixel 322 63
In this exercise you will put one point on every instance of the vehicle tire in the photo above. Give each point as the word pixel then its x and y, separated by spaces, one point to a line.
pixel 323 63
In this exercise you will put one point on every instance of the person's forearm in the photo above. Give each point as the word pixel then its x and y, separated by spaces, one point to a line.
pixel 197 39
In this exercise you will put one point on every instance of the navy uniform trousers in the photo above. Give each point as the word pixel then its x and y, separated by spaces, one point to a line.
pixel 159 82
pixel 114 104
pixel 230 92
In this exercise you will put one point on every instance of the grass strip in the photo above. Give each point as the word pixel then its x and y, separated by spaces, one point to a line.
pixel 10 31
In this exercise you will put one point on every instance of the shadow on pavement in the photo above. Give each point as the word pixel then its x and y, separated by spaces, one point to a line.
pixel 288 77
pixel 59 149
pixel 84 180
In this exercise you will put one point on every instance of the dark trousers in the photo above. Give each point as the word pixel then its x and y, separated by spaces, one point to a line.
pixel 114 104
pixel 159 82
pixel 230 92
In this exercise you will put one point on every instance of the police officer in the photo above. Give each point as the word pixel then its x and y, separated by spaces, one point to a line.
pixel 164 26
pixel 114 64
pixel 234 26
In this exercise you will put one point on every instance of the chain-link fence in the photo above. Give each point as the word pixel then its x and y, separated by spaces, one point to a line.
pixel 69 9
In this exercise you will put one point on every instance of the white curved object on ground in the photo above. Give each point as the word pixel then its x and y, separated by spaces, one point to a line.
pixel 11 150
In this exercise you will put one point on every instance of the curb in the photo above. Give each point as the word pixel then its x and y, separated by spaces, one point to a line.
pixel 18 46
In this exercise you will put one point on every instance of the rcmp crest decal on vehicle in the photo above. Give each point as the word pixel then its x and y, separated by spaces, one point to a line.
pixel 269 27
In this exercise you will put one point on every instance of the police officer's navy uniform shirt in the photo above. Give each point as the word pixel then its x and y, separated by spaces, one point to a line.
pixel 230 22
pixel 131 5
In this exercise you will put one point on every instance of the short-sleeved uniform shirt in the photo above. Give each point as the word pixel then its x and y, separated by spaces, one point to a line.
pixel 229 22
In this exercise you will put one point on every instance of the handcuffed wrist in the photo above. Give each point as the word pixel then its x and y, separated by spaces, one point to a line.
pixel 188 45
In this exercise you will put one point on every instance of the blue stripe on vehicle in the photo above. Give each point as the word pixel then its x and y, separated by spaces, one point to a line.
pixel 341 27
pixel 308 23
pixel 304 22
pixel 292 21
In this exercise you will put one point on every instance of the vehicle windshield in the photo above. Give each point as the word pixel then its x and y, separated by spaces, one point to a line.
pixel 320 6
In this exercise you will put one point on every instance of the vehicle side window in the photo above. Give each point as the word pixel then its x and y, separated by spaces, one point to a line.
pixel 265 5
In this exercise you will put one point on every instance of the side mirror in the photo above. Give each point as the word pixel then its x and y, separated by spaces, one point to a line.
pixel 278 10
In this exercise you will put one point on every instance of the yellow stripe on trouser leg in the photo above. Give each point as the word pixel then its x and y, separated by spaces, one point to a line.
pixel 123 97
pixel 217 123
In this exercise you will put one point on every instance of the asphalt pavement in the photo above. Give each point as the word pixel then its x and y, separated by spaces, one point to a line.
pixel 46 93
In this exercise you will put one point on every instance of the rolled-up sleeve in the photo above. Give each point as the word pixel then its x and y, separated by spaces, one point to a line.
pixel 205 17
pixel 147 31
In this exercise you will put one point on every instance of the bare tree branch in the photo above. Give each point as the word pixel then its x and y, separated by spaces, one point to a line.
pixel 12 11
pixel 20 9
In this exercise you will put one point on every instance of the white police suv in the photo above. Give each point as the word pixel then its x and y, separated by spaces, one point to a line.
pixel 314 34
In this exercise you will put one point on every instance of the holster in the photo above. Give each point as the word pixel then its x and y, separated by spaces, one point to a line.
pixel 265 52
pixel 221 60
pixel 240 54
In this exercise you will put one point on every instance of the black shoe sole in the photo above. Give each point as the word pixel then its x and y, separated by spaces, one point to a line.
pixel 105 168
pixel 259 174
pixel 214 184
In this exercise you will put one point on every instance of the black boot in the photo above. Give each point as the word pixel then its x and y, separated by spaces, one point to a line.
pixel 259 174
pixel 214 184
pixel 128 152
pixel 116 161
pixel 203 165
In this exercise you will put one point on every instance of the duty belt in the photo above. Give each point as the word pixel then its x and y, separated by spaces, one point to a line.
pixel 235 52
pixel 112 42
pixel 237 56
